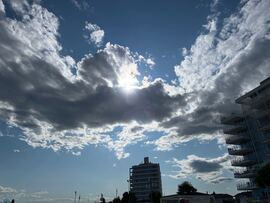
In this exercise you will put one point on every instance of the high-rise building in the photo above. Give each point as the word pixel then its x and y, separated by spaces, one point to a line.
pixel 145 179
pixel 248 134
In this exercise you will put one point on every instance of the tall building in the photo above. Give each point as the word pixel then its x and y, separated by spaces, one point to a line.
pixel 248 134
pixel 144 179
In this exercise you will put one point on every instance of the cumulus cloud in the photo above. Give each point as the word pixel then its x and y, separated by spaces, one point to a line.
pixel 205 169
pixel 96 33
pixel 2 8
pixel 58 109
pixel 62 109
pixel 8 193
pixel 224 62
pixel 4 190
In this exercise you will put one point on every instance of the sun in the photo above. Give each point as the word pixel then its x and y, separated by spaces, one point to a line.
pixel 128 84
pixel 127 80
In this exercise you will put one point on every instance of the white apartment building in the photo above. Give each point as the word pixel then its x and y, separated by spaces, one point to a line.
pixel 144 179
pixel 248 136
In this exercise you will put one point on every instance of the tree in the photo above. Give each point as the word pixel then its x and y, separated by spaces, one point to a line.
pixel 263 176
pixel 128 197
pixel 155 196
pixel 186 188
pixel 125 197
pixel 102 199
pixel 116 200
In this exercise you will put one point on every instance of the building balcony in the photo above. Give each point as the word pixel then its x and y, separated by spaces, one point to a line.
pixel 259 101
pixel 262 114
pixel 237 139
pixel 266 128
pixel 241 162
pixel 246 186
pixel 240 151
pixel 244 173
pixel 232 119
pixel 235 130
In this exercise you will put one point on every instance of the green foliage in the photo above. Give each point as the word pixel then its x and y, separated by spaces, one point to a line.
pixel 116 200
pixel 186 188
pixel 263 176
pixel 128 198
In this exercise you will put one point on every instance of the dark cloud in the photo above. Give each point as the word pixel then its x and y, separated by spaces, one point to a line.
pixel 235 75
pixel 203 166
pixel 37 91
pixel 206 169
pixel 222 179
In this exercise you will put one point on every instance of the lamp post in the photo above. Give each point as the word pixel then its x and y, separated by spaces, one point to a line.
pixel 75 199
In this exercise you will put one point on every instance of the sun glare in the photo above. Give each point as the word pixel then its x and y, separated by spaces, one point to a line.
pixel 127 79
pixel 128 84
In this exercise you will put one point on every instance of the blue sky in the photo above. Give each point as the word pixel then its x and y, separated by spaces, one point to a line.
pixel 89 88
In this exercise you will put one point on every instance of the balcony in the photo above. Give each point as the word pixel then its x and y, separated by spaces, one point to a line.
pixel 241 162
pixel 266 128
pixel 237 139
pixel 235 130
pixel 246 186
pixel 259 101
pixel 232 119
pixel 245 173
pixel 240 151
pixel 262 114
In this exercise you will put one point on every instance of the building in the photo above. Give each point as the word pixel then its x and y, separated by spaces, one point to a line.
pixel 192 198
pixel 248 134
pixel 223 198
pixel 144 179
pixel 243 197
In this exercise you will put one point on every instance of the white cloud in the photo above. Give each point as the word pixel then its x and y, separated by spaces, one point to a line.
pixel 76 153
pixel 16 150
pixel 224 62
pixel 80 4
pixel 7 190
pixel 215 51
pixel 19 6
pixel 8 193
pixel 96 33
pixel 88 107
pixel 2 8
pixel 31 48
pixel 206 169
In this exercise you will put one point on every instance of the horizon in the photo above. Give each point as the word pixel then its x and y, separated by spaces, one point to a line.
pixel 89 88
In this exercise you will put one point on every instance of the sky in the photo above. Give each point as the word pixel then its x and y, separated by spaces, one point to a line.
pixel 88 88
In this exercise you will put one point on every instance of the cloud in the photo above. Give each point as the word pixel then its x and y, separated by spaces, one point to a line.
pixel 8 193
pixel 2 8
pixel 57 109
pixel 16 151
pixel 227 59
pixel 205 169
pixel 81 5
pixel 4 190
pixel 76 153
pixel 96 33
